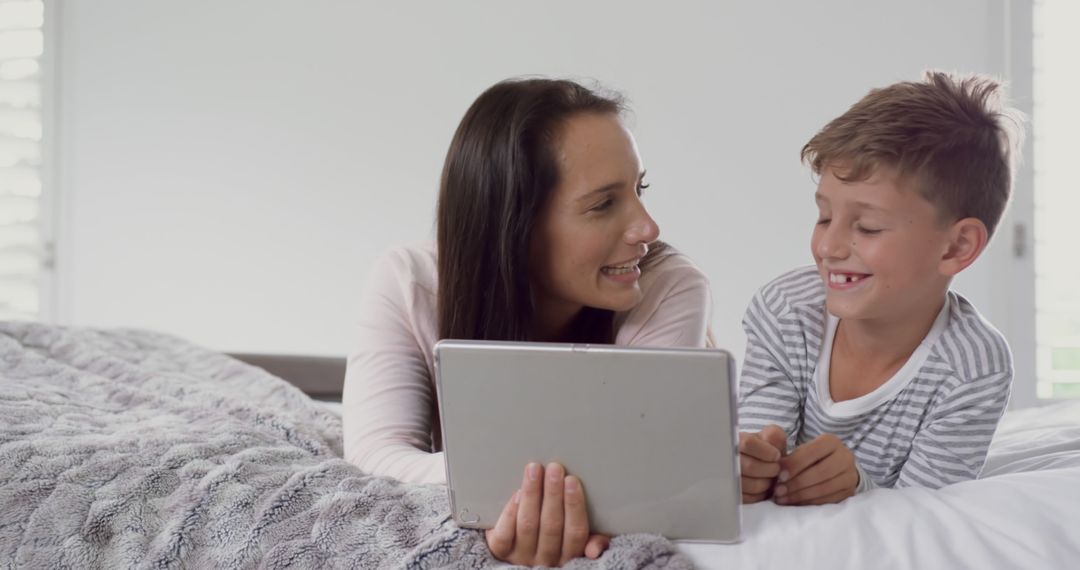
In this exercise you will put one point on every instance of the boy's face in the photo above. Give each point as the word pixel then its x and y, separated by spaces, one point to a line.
pixel 878 246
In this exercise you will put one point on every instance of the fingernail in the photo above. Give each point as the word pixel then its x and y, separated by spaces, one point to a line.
pixel 534 471
pixel 570 485
pixel 781 490
pixel 554 472
pixel 783 476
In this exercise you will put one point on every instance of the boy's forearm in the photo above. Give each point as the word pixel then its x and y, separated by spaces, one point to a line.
pixel 766 395
pixel 769 404
pixel 953 448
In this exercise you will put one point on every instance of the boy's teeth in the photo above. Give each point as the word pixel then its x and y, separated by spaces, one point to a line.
pixel 842 278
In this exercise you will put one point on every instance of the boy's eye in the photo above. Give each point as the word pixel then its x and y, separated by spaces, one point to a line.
pixel 867 231
pixel 823 221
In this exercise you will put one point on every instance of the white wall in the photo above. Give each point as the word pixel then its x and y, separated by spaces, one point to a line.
pixel 229 170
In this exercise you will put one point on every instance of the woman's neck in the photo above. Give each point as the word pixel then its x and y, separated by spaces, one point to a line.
pixel 552 320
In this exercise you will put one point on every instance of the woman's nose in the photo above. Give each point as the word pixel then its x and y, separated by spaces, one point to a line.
pixel 643 229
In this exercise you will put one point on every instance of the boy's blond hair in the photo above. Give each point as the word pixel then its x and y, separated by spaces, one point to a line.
pixel 951 136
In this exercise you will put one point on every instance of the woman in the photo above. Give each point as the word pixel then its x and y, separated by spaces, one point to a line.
pixel 542 236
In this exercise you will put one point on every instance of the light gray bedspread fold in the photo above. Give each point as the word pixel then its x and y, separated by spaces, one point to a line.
pixel 132 449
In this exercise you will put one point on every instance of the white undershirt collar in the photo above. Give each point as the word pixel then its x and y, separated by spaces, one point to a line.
pixel 883 393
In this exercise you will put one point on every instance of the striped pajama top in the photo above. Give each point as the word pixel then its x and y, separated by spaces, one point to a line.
pixel 930 425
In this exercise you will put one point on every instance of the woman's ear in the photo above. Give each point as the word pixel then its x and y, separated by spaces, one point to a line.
pixel 967 240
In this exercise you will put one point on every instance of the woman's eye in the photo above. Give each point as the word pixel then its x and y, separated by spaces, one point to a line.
pixel 603 205
pixel 867 231
pixel 641 189
pixel 823 221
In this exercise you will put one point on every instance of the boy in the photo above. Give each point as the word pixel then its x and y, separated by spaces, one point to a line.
pixel 867 366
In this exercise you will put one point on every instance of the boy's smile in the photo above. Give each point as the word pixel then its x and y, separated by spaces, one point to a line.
pixel 878 245
pixel 843 281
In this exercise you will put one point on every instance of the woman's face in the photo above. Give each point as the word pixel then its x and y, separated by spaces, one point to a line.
pixel 594 230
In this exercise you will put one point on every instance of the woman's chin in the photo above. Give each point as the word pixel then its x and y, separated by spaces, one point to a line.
pixel 624 301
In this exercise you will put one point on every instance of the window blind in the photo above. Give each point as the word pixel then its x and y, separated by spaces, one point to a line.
pixel 23 253
pixel 1056 230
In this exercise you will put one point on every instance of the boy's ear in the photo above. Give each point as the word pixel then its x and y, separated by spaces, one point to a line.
pixel 967 240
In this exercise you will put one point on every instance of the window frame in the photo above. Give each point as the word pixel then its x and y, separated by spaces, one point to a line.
pixel 1014 266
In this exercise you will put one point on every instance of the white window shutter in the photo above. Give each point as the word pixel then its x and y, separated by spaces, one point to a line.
pixel 24 256
pixel 1055 128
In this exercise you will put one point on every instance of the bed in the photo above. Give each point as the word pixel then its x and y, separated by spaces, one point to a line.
pixel 131 449
pixel 124 448
pixel 1023 513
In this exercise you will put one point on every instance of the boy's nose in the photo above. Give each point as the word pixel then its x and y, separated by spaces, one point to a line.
pixel 833 244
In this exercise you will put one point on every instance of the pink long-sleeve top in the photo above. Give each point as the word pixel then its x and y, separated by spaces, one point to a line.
pixel 389 397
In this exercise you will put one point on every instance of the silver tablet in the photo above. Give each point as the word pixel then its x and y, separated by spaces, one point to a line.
pixel 650 432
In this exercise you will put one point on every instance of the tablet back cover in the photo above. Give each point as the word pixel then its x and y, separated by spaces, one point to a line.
pixel 650 432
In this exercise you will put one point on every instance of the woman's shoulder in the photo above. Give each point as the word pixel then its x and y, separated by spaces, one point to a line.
pixel 672 267
pixel 412 264
pixel 403 285
pixel 675 308
pixel 420 254
pixel 406 277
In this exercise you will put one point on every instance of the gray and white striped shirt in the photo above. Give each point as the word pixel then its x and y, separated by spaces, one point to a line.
pixel 930 425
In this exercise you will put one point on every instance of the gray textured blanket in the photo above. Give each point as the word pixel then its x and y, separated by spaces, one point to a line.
pixel 129 449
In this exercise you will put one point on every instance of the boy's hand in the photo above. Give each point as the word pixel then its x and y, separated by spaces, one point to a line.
pixel 822 471
pixel 759 461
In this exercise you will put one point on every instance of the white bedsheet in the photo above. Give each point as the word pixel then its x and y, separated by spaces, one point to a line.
pixel 1023 513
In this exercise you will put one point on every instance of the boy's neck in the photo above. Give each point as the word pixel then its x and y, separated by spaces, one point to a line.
pixel 887 340
pixel 866 353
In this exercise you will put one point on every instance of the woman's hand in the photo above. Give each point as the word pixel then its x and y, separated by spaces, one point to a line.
pixel 545 522
pixel 759 461
pixel 822 471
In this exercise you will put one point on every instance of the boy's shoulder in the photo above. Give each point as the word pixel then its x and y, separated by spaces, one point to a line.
pixel 795 293
pixel 970 345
